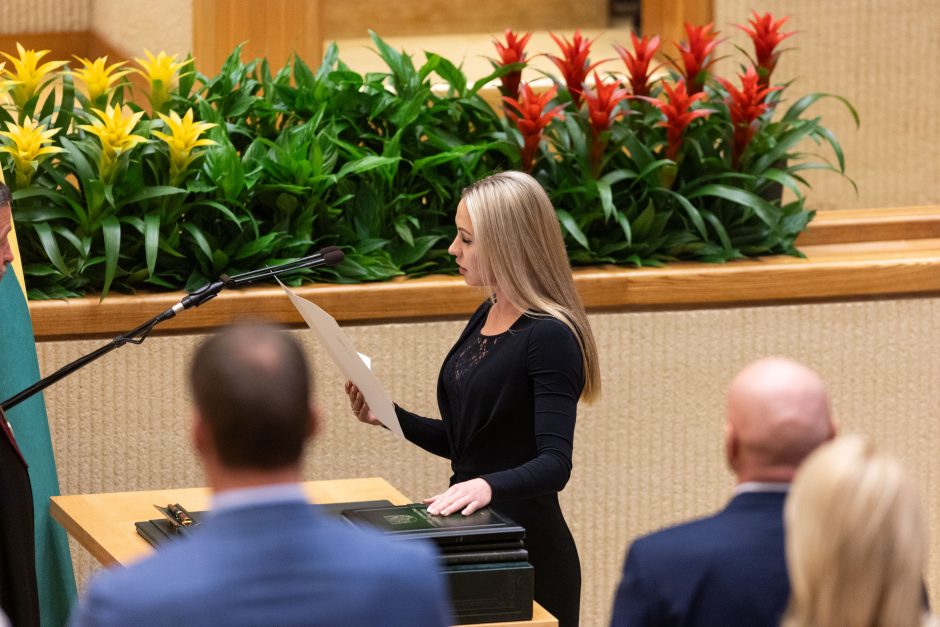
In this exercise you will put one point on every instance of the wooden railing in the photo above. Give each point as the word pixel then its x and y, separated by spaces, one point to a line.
pixel 666 17
pixel 276 28
pixel 849 254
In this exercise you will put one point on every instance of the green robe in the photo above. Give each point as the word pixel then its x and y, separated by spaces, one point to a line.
pixel 19 370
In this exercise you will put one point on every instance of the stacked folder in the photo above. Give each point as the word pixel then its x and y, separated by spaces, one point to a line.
pixel 483 556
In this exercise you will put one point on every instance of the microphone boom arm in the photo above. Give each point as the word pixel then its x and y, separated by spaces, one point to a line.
pixel 325 257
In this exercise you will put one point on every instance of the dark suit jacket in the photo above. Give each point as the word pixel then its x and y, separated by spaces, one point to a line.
pixel 278 564
pixel 19 593
pixel 727 569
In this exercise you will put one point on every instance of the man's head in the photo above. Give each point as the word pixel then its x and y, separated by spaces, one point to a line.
pixel 6 225
pixel 251 388
pixel 778 413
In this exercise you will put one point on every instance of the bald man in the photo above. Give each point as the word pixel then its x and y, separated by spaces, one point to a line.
pixel 729 568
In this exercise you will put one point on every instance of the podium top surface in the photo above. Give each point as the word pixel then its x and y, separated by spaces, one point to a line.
pixel 104 523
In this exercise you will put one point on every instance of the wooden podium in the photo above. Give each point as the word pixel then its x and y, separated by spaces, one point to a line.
pixel 104 523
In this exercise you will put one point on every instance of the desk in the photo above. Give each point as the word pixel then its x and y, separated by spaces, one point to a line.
pixel 104 523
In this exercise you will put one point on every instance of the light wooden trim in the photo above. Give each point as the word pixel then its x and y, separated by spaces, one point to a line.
pixel 666 18
pixel 389 18
pixel 839 265
pixel 863 225
pixel 62 45
pixel 274 29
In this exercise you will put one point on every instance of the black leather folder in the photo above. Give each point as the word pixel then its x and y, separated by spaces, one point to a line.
pixel 160 530
pixel 413 521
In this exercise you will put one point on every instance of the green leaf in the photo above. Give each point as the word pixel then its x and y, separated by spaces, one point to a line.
pixel 643 225
pixel 155 191
pixel 199 238
pixel 51 247
pixel 40 214
pixel 111 230
pixel 366 164
pixel 83 168
pixel 691 211
pixel 764 210
pixel 719 228
pixel 498 72
pixel 625 227
pixel 572 227
pixel 151 240
pixel 450 73
pixel 798 107
pixel 607 198
pixel 257 246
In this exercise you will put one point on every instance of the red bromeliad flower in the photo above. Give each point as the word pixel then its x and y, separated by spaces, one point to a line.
pixel 602 104
pixel 696 53
pixel 574 65
pixel 513 51
pixel 746 106
pixel 766 35
pixel 531 119
pixel 679 114
pixel 638 63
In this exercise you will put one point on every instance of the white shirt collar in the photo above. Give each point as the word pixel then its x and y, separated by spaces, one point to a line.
pixel 760 486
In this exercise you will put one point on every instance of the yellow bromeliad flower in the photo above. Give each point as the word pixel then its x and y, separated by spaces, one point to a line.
pixel 183 138
pixel 28 75
pixel 99 77
pixel 160 71
pixel 114 130
pixel 5 84
pixel 28 143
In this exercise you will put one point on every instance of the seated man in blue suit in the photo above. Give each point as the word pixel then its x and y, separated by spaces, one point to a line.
pixel 265 556
pixel 730 568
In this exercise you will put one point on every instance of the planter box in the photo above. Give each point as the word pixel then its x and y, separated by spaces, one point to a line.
pixel 849 254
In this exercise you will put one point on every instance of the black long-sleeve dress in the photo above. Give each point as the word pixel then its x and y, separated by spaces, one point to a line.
pixel 508 404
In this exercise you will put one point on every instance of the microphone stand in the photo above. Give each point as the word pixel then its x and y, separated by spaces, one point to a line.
pixel 328 256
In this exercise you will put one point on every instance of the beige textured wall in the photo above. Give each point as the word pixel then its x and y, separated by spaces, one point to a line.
pixel 135 26
pixel 883 56
pixel 649 454
pixel 44 16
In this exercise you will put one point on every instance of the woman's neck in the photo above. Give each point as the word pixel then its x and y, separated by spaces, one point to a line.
pixel 502 315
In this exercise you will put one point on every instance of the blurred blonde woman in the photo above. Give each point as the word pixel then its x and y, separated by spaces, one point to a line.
pixel 509 388
pixel 856 541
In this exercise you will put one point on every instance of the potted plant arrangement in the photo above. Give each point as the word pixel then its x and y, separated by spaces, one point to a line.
pixel 256 166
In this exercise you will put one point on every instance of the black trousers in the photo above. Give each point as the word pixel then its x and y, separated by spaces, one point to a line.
pixel 552 553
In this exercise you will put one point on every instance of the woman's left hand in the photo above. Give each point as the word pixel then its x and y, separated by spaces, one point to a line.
pixel 466 497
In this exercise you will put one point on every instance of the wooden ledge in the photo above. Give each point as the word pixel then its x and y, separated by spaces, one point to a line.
pixel 847 258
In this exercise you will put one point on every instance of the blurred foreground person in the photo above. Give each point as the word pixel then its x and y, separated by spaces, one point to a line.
pixel 856 541
pixel 730 568
pixel 265 556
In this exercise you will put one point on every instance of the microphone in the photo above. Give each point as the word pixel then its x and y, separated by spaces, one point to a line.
pixel 329 256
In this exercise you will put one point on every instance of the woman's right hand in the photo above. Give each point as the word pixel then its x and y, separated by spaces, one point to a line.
pixel 359 406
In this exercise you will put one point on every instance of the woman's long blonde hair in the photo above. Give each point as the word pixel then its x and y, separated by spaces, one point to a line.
pixel 522 251
pixel 856 540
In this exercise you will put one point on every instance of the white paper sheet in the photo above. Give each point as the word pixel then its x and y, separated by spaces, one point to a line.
pixel 350 362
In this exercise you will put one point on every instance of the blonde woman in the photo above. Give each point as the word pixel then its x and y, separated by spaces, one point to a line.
pixel 856 541
pixel 509 388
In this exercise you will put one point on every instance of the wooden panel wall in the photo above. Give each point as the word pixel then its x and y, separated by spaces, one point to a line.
pixel 273 29
pixel 666 17
pixel 62 45
pixel 350 19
